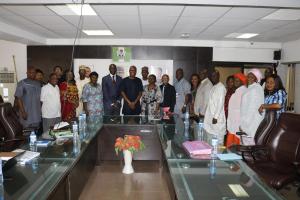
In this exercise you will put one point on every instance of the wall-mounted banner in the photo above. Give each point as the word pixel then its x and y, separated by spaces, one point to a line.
pixel 121 54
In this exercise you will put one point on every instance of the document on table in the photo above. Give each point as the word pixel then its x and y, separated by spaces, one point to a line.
pixel 26 156
pixel 229 156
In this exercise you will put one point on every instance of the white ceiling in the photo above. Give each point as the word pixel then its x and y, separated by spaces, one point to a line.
pixel 155 21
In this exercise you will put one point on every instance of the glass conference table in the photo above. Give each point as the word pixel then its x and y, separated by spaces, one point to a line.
pixel 190 178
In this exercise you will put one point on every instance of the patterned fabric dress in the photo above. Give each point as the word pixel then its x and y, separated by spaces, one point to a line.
pixel 69 101
pixel 151 98
pixel 278 97
pixel 92 95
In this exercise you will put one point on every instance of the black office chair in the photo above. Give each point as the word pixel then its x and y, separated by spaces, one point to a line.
pixel 262 134
pixel 13 134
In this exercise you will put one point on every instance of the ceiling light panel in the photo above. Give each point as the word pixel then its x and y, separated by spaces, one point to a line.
pixel 284 14
pixel 247 35
pixel 84 9
pixel 98 32
pixel 73 9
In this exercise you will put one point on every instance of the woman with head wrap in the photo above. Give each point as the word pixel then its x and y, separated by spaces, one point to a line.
pixel 251 101
pixel 234 109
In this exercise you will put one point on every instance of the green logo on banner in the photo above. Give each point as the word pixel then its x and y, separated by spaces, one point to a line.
pixel 121 54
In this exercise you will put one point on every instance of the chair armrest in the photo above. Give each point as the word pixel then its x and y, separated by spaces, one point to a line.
pixel 240 133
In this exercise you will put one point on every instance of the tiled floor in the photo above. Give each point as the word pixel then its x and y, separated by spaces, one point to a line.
pixel 108 183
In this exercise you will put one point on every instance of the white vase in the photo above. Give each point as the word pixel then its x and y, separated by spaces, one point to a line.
pixel 128 169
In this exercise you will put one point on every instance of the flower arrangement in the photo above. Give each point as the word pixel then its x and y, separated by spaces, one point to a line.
pixel 129 142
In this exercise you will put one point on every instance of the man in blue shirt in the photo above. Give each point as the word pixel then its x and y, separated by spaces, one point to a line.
pixel 27 95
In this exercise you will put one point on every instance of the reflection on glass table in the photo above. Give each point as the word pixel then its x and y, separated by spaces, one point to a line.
pixel 207 178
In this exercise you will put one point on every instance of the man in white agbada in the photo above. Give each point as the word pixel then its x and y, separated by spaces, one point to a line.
pixel 80 82
pixel 202 94
pixel 182 87
pixel 252 98
pixel 214 119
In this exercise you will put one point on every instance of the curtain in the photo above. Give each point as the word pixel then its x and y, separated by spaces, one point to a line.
pixel 290 87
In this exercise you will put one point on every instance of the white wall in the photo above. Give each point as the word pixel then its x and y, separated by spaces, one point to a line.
pixel 290 51
pixel 238 54
pixel 7 50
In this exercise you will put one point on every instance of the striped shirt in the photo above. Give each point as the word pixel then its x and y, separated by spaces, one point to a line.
pixel 278 97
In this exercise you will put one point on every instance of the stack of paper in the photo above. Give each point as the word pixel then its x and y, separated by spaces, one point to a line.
pixel 26 156
pixel 197 148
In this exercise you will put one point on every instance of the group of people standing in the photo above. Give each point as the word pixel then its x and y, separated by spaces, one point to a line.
pixel 237 107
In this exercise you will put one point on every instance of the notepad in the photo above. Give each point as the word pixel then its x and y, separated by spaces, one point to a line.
pixel 229 156
pixel 197 147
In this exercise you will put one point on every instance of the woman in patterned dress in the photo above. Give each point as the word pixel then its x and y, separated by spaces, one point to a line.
pixel 151 97
pixel 92 96
pixel 68 97
pixel 275 95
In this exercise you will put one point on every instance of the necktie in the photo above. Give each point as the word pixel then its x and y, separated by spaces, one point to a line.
pixel 113 79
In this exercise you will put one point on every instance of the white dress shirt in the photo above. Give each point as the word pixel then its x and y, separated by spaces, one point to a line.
pixel 80 84
pixel 50 97
pixel 250 116
pixel 202 96
pixel 215 109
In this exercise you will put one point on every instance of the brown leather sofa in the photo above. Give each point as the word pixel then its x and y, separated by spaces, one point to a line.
pixel 279 166
pixel 262 134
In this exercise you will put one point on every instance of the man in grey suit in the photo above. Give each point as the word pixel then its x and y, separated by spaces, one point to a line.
pixel 111 91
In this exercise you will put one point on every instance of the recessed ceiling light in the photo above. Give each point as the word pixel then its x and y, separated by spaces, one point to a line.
pixel 284 14
pixel 98 32
pixel 85 10
pixel 185 35
pixel 247 35
pixel 241 35
pixel 73 9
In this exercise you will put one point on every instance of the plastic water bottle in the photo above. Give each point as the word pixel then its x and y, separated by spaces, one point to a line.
pixel 80 119
pixel 1 182
pixel 186 129
pixel 75 137
pixel 214 144
pixel 212 169
pixel 32 138
pixel 84 124
pixel 187 114
pixel 200 131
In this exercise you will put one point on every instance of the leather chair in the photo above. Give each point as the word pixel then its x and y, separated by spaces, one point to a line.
pixel 282 148
pixel 262 134
pixel 13 133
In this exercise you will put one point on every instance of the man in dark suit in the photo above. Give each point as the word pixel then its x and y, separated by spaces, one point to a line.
pixel 111 92
pixel 168 92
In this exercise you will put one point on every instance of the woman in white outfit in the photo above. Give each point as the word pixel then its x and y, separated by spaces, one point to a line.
pixel 234 109
pixel 251 101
